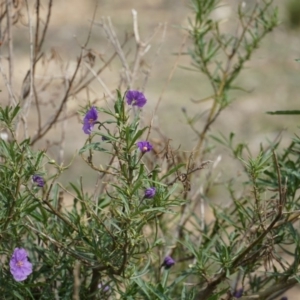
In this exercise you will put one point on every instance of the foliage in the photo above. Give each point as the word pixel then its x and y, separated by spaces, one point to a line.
pixel 144 232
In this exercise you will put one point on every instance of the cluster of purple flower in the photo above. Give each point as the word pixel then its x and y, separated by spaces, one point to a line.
pixel 238 293
pixel 150 192
pixel 104 288
pixel 38 180
pixel 144 146
pixel 134 98
pixel 90 120
pixel 168 262
pixel 20 267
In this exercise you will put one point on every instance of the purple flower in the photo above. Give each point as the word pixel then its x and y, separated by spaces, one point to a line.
pixel 38 180
pixel 136 98
pixel 144 146
pixel 238 293
pixel 104 288
pixel 168 262
pixel 90 120
pixel 150 193
pixel 20 267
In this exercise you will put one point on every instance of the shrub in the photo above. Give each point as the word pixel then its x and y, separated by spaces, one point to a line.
pixel 143 232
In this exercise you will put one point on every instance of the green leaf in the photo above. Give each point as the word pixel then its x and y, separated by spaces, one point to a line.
pixel 144 271
pixel 174 169
pixel 31 208
pixel 108 112
pixel 143 286
pixel 136 136
pixel 93 146
pixel 15 111
pixel 284 112
pixel 109 122
pixel 77 191
pixel 108 137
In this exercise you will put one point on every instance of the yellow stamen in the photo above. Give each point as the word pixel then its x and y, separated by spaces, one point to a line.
pixel 20 263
